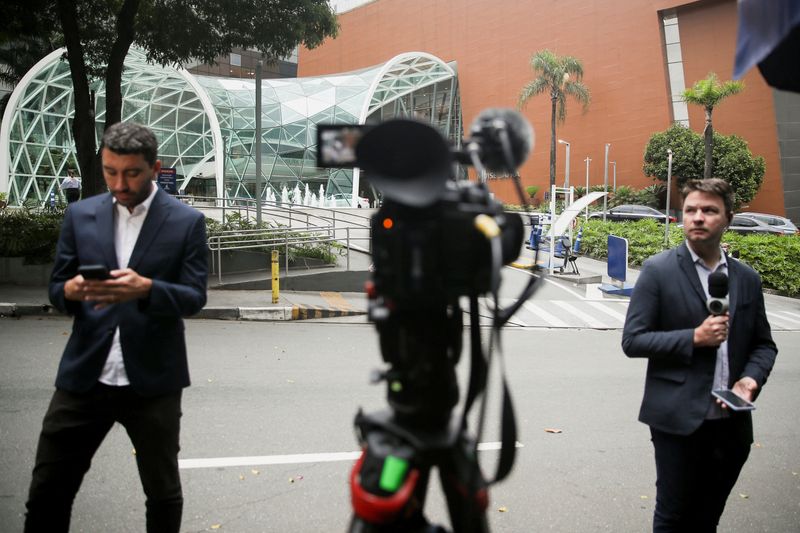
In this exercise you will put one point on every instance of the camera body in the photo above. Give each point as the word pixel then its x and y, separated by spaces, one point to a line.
pixel 434 252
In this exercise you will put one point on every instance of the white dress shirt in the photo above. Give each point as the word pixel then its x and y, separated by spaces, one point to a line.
pixel 721 368
pixel 127 227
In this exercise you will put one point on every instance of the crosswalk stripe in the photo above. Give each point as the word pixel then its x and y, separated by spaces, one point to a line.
pixel 774 315
pixel 790 313
pixel 589 319
pixel 544 315
pixel 608 311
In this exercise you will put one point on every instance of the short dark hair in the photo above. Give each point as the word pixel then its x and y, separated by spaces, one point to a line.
pixel 716 186
pixel 131 138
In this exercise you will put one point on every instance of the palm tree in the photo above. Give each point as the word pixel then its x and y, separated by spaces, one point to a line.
pixel 560 77
pixel 709 93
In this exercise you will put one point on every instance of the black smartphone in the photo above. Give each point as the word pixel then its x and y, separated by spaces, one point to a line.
pixel 93 271
pixel 733 400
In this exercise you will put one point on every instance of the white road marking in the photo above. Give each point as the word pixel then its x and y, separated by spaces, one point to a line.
pixel 781 315
pixel 589 319
pixel 607 310
pixel 265 460
pixel 551 319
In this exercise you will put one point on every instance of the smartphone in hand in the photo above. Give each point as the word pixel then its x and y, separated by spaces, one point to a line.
pixel 733 400
pixel 93 272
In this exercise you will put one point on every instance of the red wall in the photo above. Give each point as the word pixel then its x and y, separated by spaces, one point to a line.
pixel 620 45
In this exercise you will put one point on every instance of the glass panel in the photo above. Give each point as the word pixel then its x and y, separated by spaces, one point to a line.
pixel 674 53
pixel 671 34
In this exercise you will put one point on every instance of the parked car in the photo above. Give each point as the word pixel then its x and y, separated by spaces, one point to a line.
pixel 621 213
pixel 343 200
pixel 783 224
pixel 746 224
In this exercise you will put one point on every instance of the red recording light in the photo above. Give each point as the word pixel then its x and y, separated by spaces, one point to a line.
pixel 388 223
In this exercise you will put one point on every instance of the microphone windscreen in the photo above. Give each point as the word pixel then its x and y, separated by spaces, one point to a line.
pixel 520 136
pixel 718 285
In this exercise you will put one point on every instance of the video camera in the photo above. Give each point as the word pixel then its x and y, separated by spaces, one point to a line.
pixel 426 245
pixel 434 241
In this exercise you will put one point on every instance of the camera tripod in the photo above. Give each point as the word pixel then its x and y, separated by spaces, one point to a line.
pixel 402 444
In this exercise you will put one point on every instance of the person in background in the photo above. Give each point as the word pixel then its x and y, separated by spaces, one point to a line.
pixel 71 187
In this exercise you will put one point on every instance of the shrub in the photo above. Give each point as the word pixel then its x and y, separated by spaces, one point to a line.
pixel 776 258
pixel 30 233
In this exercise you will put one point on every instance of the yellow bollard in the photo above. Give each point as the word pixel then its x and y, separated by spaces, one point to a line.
pixel 275 277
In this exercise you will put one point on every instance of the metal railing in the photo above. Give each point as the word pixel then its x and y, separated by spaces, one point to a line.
pixel 305 226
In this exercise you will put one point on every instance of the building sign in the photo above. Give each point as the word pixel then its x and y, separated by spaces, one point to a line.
pixel 167 180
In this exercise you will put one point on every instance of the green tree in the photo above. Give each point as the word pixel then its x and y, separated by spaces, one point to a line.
pixel 687 154
pixel 559 77
pixel 99 33
pixel 708 93
pixel 732 160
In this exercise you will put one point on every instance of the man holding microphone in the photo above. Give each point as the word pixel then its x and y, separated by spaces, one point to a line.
pixel 695 342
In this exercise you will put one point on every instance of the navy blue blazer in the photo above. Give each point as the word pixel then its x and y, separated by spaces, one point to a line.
pixel 667 303
pixel 172 251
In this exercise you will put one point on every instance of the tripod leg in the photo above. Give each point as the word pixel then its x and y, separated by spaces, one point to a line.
pixel 466 491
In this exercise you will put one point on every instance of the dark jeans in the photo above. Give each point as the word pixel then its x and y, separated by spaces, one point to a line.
pixel 74 427
pixel 72 195
pixel 695 475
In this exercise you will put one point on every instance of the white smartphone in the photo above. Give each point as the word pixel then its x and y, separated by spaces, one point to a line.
pixel 733 400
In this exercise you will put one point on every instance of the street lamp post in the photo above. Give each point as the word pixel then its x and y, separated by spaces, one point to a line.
pixel 669 186
pixel 566 166
pixel 586 210
pixel 258 143
pixel 605 183
pixel 615 175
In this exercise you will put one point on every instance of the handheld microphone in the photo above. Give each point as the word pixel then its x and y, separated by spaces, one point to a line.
pixel 717 303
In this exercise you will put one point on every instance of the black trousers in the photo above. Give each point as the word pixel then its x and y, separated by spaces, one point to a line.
pixel 695 475
pixel 72 195
pixel 74 427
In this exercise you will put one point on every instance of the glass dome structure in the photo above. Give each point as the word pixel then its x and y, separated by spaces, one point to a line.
pixel 206 125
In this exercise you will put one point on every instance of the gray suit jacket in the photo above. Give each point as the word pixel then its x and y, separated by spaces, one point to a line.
pixel 667 303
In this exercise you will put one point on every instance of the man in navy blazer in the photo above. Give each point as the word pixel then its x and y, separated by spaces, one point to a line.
pixel 125 360
pixel 700 444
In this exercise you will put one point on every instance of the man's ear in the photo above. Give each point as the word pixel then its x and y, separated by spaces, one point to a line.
pixel 156 168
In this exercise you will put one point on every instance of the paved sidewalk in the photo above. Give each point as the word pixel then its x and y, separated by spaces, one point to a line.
pixel 18 300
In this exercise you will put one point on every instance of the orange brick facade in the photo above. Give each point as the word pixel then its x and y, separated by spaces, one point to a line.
pixel 620 43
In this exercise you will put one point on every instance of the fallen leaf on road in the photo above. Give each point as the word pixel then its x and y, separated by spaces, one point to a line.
pixel 552 430
pixel 241 477
pixel 503 509
pixel 210 380
pixel 216 526
pixel 644 497
pixel 757 445
pixel 289 381
pixel 291 480
pixel 744 496
pixel 133 451
pixel 255 472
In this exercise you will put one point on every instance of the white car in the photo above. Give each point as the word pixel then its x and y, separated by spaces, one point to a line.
pixel 782 224
pixel 344 200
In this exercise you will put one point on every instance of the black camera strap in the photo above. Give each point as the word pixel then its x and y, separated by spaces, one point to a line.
pixel 479 372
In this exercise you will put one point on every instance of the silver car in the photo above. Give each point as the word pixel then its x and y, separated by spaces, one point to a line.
pixel 784 225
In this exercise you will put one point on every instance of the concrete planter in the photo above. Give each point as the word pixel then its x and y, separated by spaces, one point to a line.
pixel 14 270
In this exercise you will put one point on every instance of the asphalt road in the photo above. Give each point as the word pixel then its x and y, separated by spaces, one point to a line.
pixel 279 388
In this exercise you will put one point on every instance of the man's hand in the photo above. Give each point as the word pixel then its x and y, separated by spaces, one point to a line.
pixel 712 332
pixel 124 285
pixel 746 388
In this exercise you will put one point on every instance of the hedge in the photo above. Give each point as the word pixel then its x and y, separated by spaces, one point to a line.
pixel 776 258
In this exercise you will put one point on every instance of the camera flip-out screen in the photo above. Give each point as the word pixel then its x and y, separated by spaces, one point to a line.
pixel 336 144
